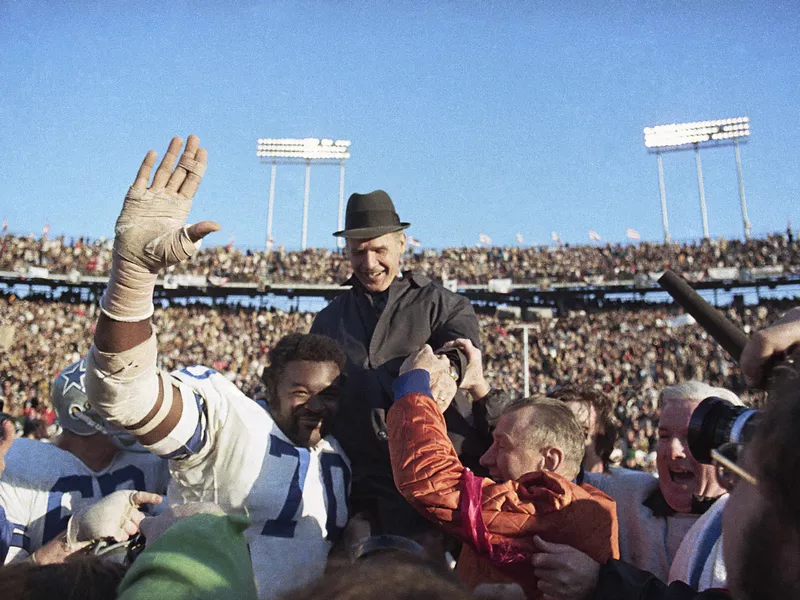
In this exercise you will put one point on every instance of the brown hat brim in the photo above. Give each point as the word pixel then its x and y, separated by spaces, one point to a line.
pixel 368 233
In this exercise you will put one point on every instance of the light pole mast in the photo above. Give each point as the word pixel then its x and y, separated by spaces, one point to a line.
pixel 685 136
pixel 293 151
pixel 742 200
pixel 340 221
pixel 702 190
pixel 663 193
pixel 268 247
pixel 304 234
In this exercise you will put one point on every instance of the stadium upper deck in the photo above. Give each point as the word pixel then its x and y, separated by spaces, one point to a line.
pixel 775 255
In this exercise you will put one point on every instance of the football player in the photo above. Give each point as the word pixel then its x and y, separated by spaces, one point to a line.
pixel 44 483
pixel 274 463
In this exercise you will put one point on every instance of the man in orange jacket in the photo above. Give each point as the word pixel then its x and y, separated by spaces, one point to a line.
pixel 533 461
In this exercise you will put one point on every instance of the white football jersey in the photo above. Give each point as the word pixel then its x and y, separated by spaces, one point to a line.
pixel 296 497
pixel 43 485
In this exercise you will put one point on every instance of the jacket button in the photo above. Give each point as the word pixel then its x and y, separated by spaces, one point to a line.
pixel 383 436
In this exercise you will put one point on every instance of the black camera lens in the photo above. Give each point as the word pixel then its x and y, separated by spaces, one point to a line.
pixel 716 421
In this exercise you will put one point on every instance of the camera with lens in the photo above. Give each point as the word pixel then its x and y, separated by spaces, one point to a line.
pixel 715 422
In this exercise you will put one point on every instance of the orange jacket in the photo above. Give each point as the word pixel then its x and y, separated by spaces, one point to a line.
pixel 497 520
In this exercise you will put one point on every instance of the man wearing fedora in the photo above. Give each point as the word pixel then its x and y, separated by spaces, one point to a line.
pixel 384 317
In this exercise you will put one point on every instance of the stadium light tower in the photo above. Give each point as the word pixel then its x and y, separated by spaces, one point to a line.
pixel 684 136
pixel 288 151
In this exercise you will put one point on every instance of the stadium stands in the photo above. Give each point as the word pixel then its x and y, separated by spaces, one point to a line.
pixel 725 259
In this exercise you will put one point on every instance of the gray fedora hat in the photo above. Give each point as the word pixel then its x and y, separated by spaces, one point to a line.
pixel 369 216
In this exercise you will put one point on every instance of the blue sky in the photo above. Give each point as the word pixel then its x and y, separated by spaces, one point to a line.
pixel 493 117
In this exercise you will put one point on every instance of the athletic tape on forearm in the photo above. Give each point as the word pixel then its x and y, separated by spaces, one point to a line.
pixel 139 253
pixel 123 387
pixel 163 409
pixel 190 422
pixel 129 294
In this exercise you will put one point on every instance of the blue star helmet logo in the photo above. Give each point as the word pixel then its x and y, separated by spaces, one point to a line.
pixel 75 376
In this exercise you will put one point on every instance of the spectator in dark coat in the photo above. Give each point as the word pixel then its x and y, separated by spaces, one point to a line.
pixel 380 320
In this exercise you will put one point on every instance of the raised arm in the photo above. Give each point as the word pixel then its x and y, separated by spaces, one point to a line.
pixel 457 320
pixel 779 337
pixel 122 380
pixel 499 519
pixel 426 469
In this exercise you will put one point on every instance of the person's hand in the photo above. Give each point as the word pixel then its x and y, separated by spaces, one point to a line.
pixel 564 573
pixel 7 435
pixel 115 516
pixel 764 344
pixel 443 387
pixel 153 527
pixel 151 232
pixel 425 359
pixel 473 381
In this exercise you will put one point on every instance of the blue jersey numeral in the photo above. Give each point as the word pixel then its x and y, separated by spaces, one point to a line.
pixel 284 525
pixel 111 482
pixel 55 521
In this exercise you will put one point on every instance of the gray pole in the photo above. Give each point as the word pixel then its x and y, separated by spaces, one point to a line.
pixel 305 207
pixel 663 193
pixel 340 241
pixel 525 361
pixel 745 219
pixel 702 190
pixel 268 247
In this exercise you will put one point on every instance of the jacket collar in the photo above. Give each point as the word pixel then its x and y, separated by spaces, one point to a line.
pixel 413 279
pixel 658 504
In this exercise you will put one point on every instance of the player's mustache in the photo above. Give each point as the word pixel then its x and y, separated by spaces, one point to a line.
pixel 306 413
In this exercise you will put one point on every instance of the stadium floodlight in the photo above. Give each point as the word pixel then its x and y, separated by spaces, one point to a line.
pixel 686 136
pixel 679 135
pixel 302 151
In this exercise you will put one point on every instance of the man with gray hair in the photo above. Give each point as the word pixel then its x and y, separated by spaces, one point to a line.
pixel 655 513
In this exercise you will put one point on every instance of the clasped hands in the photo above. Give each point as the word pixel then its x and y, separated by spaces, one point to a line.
pixel 443 386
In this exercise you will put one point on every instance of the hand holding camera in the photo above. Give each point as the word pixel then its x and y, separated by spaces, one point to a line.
pixel 769 359
pixel 768 344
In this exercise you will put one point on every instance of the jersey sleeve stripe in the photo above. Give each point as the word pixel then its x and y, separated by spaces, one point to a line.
pixel 20 540
pixel 12 535
pixel 160 410
pixel 6 535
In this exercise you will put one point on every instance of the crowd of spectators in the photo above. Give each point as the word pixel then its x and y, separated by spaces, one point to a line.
pixel 477 265
pixel 630 353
